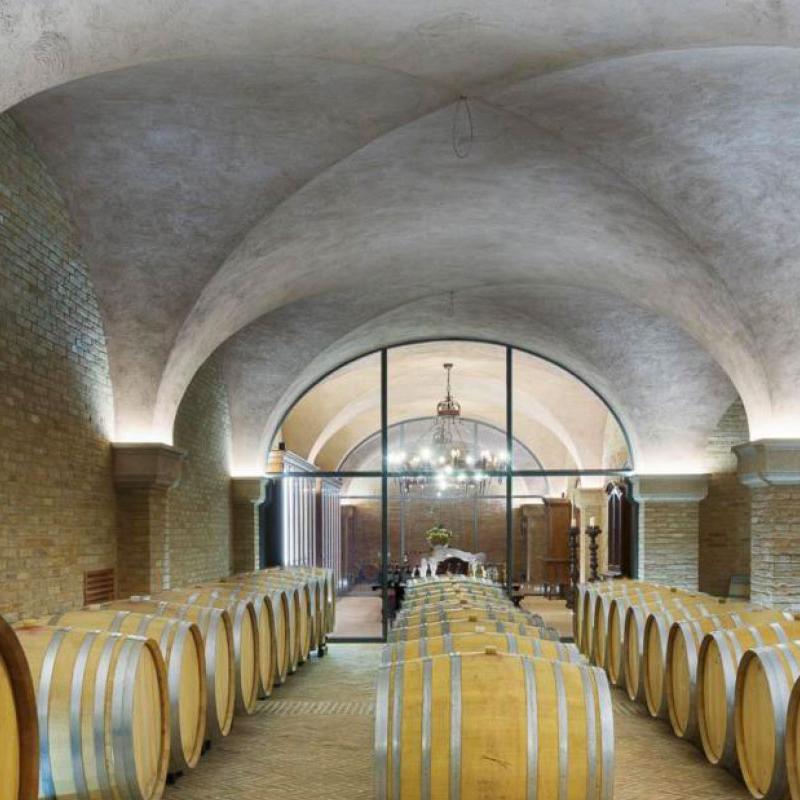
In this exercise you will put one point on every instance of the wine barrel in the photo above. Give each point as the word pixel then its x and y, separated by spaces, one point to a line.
pixel 216 629
pixel 588 599
pixel 440 611
pixel 683 646
pixel 764 682
pixel 793 741
pixel 265 626
pixel 526 727
pixel 326 578
pixel 181 645
pixel 478 642
pixel 417 601
pixel 432 615
pixel 609 628
pixel 300 623
pixel 19 742
pixel 654 649
pixel 245 638
pixel 103 713
pixel 717 664
pixel 474 625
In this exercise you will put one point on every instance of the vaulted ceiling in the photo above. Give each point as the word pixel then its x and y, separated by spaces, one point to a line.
pixel 276 181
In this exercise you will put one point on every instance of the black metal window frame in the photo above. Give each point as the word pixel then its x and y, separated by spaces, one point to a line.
pixel 385 474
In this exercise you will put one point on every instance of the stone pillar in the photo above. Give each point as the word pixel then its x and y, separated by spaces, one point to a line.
pixel 669 527
pixel 771 469
pixel 592 503
pixel 143 476
pixel 246 496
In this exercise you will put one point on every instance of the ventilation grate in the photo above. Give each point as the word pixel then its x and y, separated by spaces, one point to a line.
pixel 98 586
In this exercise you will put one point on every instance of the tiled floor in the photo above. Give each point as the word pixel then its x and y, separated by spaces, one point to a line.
pixel 313 740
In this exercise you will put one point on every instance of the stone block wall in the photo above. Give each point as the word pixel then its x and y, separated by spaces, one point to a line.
pixel 57 506
pixel 668 545
pixel 199 507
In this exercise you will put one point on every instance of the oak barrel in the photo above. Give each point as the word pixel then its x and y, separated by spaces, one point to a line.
pixel 654 649
pixel 324 574
pixel 299 596
pixel 473 642
pixel 102 710
pixel 181 645
pixel 461 725
pixel 683 647
pixel 19 741
pixel 245 637
pixel 265 623
pixel 426 616
pixel 764 682
pixel 216 629
pixel 474 625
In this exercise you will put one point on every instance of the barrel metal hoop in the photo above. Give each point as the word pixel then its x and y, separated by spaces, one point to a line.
pixel 144 624
pixel 211 669
pixel 563 727
pixel 532 724
pixel 122 718
pixel 606 712
pixel 427 715
pixel 382 732
pixel 386 655
pixel 780 701
pixel 780 632
pixel 511 641
pixel 591 734
pixel 174 669
pixel 47 787
pixel 119 618
pixel 737 621
pixel 75 715
pixel 455 727
pixel 423 648
pixel 397 728
pixel 99 722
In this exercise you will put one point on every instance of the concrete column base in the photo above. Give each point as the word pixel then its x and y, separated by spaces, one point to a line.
pixel 669 527
pixel 771 469
pixel 143 475
pixel 246 496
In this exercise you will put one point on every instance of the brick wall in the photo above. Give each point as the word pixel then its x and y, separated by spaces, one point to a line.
pixel 668 543
pixel 199 507
pixel 57 508
pixel 725 513
pixel 775 555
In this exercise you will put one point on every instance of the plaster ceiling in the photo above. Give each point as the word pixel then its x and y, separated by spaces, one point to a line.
pixel 277 180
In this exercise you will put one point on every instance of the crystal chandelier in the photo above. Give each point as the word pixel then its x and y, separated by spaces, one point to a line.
pixel 442 460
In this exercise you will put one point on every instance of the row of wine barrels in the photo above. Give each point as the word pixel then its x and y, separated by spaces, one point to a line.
pixel 181 645
pixel 587 598
pixel 478 641
pixel 216 629
pixel 654 649
pixel 19 733
pixel 717 666
pixel 301 626
pixel 245 638
pixel 326 576
pixel 472 623
pixel 609 614
pixel 102 710
pixel 475 725
pixel 419 601
pixel 231 595
pixel 683 647
pixel 442 614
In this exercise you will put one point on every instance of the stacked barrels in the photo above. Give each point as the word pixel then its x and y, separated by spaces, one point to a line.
pixel 724 673
pixel 474 693
pixel 109 700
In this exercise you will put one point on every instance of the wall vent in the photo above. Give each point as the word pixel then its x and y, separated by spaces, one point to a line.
pixel 98 586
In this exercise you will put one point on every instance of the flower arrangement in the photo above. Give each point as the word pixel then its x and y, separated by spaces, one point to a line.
pixel 438 535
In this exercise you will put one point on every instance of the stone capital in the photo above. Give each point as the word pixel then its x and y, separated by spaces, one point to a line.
pixel 769 462
pixel 669 488
pixel 147 466
pixel 248 490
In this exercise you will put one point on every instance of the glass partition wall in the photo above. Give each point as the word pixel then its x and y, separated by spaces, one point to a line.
pixel 430 456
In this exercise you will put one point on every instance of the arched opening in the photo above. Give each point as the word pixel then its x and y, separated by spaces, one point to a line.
pixel 483 441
